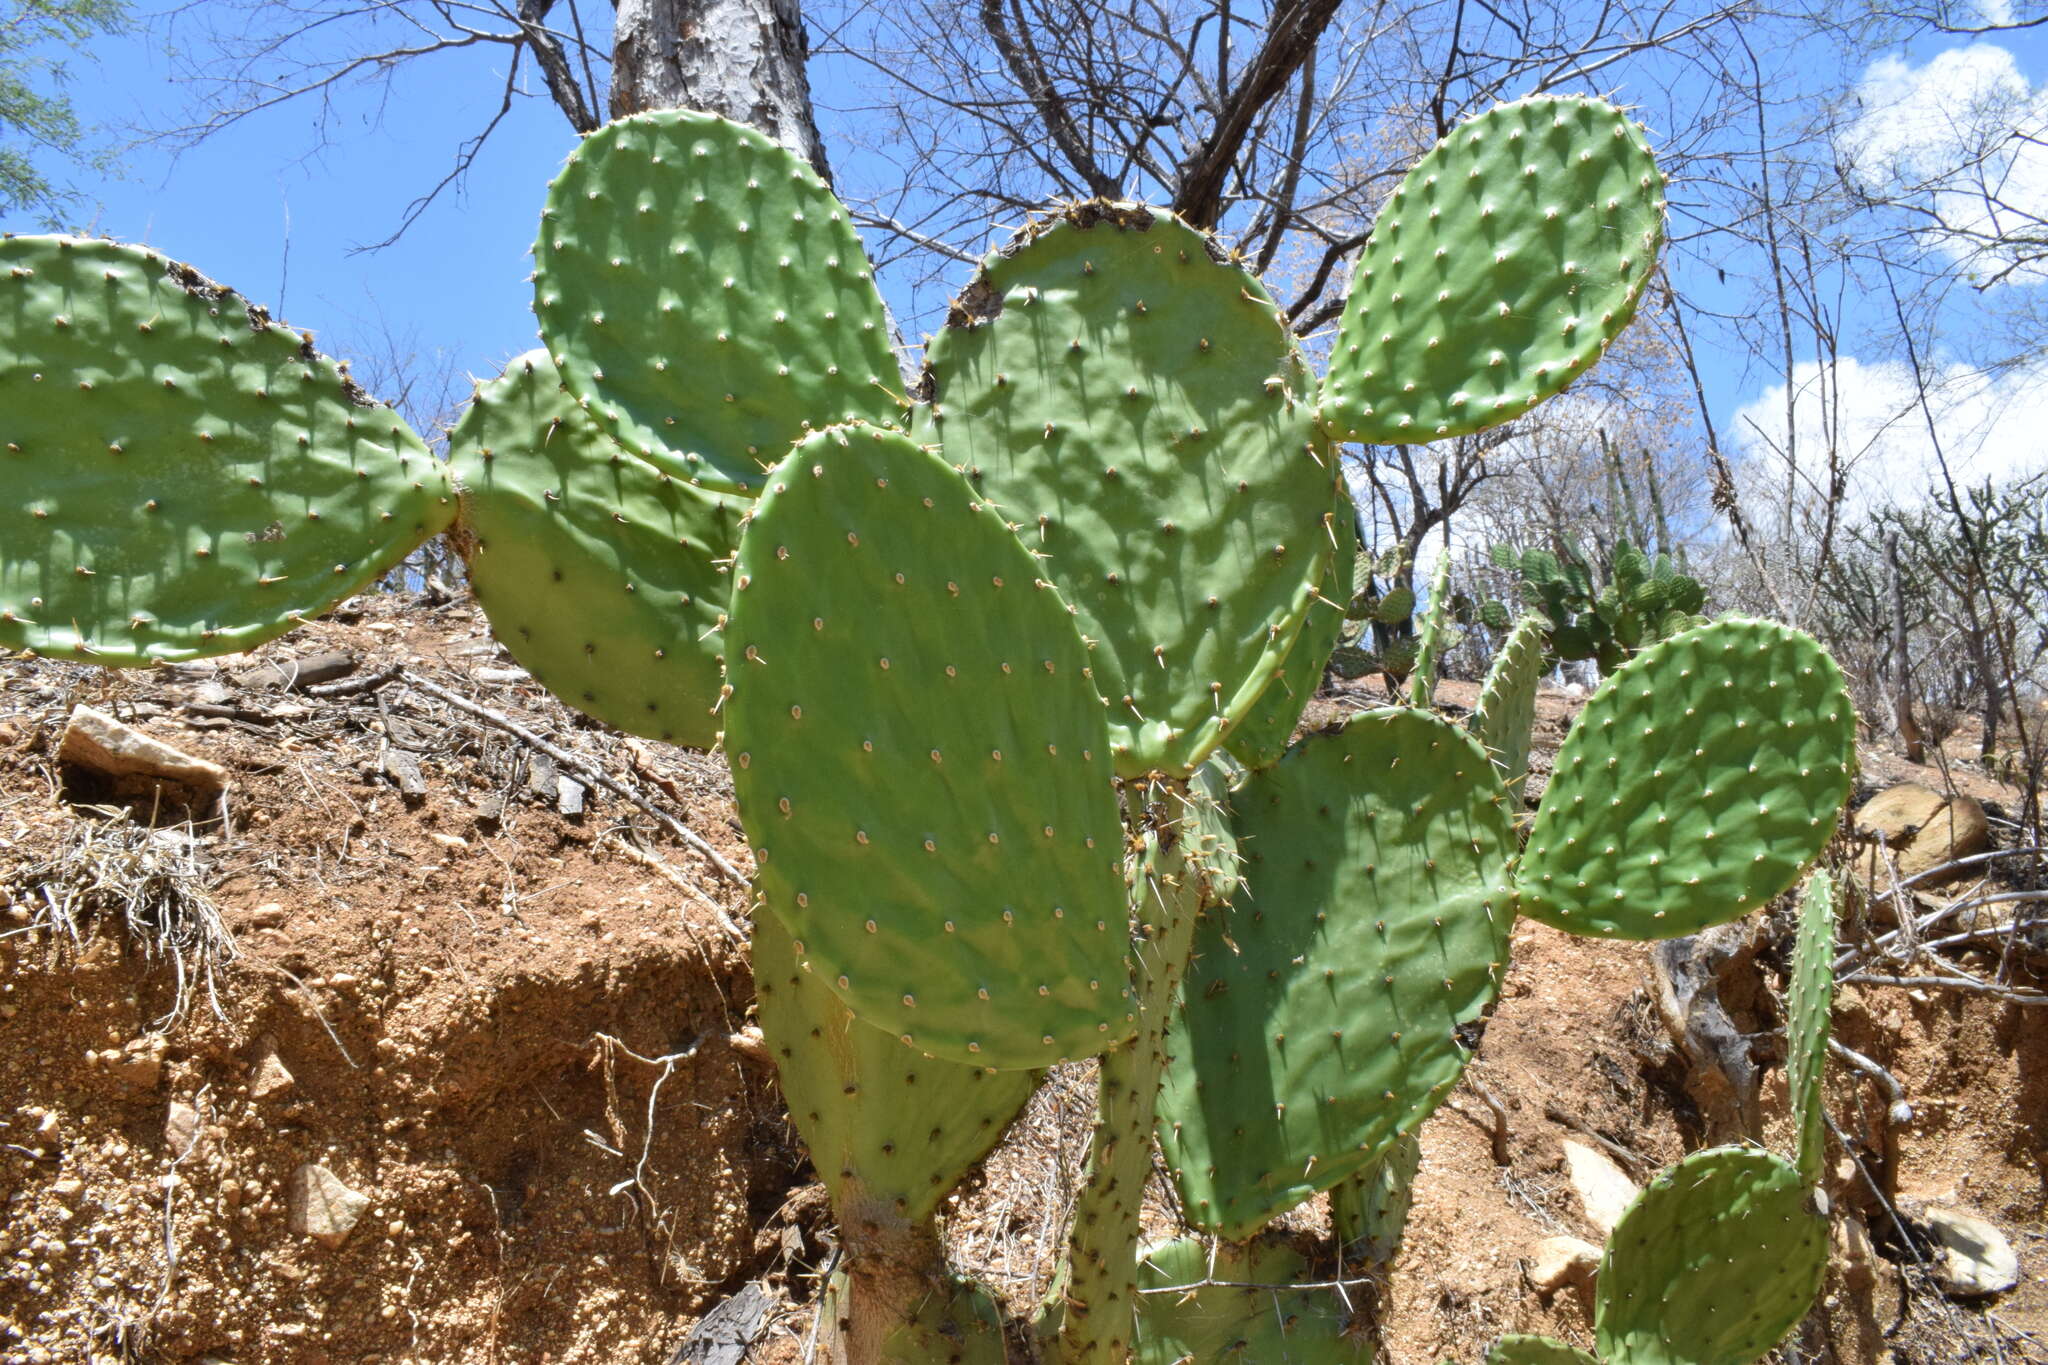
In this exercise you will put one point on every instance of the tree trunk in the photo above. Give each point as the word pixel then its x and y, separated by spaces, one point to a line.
pixel 743 59
pixel 1902 660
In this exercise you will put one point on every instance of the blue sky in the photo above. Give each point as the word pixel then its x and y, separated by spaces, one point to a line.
pixel 260 207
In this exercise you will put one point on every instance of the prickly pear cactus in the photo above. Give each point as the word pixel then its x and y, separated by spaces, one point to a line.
pixel 1506 715
pixel 1136 407
pixel 1320 1015
pixel 708 295
pixel 957 1324
pixel 185 477
pixel 1716 1260
pixel 1435 636
pixel 891 1131
pixel 1525 1350
pixel 1240 1307
pixel 1809 1001
pixel 1369 1212
pixel 1498 272
pixel 920 764
pixel 1756 718
pixel 604 577
pixel 1263 737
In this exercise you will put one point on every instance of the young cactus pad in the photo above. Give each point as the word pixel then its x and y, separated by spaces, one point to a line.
pixel 919 760
pixel 1713 1263
pixel 1698 783
pixel 1809 1002
pixel 1135 406
pixel 1263 737
pixel 890 1131
pixel 1526 1350
pixel 602 575
pixel 1319 1020
pixel 1498 272
pixel 702 288
pixel 185 477
pixel 1506 715
pixel 1234 1322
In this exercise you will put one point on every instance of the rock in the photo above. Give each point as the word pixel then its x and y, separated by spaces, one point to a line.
pixel 1854 1251
pixel 1971 1256
pixel 269 1079
pixel 451 842
pixel 268 915
pixel 181 1128
pixel 1922 828
pixel 139 1063
pixel 1604 1188
pixel 95 740
pixel 320 1206
pixel 1555 1262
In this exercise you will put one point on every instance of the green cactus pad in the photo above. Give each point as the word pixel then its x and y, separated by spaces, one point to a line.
pixel 1809 1001
pixel 701 287
pixel 1698 783
pixel 1369 1211
pixel 1522 1350
pixel 604 576
pixel 1435 635
pixel 1262 739
pixel 1498 272
pixel 1251 1315
pixel 1716 1260
pixel 920 764
pixel 1168 881
pixel 1506 715
pixel 185 477
pixel 1319 1019
pixel 1133 405
pixel 891 1131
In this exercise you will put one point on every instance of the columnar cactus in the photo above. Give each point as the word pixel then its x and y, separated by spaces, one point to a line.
pixel 943 648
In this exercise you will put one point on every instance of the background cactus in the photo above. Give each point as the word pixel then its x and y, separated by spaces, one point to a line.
pixel 1644 600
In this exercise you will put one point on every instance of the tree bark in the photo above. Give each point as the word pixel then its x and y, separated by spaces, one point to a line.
pixel 1902 660
pixel 743 59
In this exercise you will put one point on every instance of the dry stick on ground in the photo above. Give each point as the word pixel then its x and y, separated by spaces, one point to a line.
pixel 598 777
pixel 1901 1112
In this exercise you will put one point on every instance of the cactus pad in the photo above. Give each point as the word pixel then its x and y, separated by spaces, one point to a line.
pixel 1523 1350
pixel 1498 272
pixel 1263 737
pixel 185 477
pixel 955 1324
pixel 1506 714
pixel 1319 1020
pixel 1809 1001
pixel 1716 1260
pixel 920 763
pixel 1697 784
pixel 1369 1212
pixel 602 575
pixel 702 288
pixel 1134 406
pixel 891 1131
pixel 1252 1315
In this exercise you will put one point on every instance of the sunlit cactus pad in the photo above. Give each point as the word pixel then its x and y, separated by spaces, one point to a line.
pixel 1809 1003
pixel 1136 406
pixel 1504 721
pixel 1698 783
pixel 1498 272
pixel 1527 1350
pixel 891 1131
pixel 1320 1015
pixel 1715 1261
pixel 604 577
pixel 1251 1313
pixel 708 295
pixel 1262 739
pixel 184 477
pixel 921 766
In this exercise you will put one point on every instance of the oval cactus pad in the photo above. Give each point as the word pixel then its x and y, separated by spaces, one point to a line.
pixel 920 764
pixel 1498 272
pixel 1528 1350
pixel 604 577
pixel 1698 783
pixel 1262 739
pixel 1320 1014
pixel 185 476
pixel 1185 1318
pixel 1134 405
pixel 1715 1261
pixel 707 294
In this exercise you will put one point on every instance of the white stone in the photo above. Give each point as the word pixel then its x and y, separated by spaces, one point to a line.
pixel 320 1206
pixel 1972 1257
pixel 1604 1188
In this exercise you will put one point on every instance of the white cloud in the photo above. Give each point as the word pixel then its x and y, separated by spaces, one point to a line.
pixel 1871 415
pixel 1965 138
